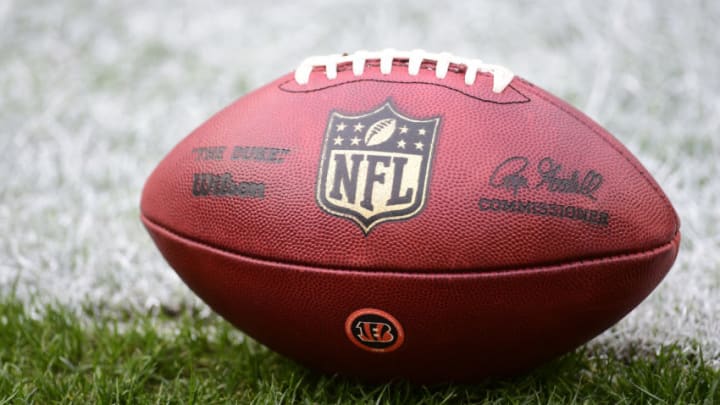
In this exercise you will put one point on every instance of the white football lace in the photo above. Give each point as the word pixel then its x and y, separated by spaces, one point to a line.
pixel 501 75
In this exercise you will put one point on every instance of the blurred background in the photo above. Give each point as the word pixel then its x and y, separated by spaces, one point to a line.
pixel 94 93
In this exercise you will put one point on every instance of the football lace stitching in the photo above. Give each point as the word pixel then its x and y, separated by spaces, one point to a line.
pixel 415 58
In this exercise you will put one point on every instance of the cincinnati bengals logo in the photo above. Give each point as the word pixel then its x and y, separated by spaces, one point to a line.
pixel 374 330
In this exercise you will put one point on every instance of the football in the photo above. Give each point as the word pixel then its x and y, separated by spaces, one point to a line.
pixel 410 215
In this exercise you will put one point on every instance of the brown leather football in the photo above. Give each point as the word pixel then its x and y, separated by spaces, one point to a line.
pixel 410 215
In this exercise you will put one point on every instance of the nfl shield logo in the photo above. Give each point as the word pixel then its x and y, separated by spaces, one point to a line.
pixel 375 167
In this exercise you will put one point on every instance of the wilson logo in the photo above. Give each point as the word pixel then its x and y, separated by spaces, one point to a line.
pixel 223 185
pixel 375 167
pixel 374 330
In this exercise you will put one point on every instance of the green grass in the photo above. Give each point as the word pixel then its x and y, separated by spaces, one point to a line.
pixel 55 356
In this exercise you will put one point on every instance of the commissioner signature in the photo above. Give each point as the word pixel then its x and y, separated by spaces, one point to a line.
pixel 511 175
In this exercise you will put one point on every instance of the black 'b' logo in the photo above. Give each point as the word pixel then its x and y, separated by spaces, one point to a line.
pixel 374 330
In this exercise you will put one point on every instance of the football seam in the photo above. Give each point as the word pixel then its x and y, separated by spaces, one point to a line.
pixel 523 270
pixel 581 120
pixel 343 69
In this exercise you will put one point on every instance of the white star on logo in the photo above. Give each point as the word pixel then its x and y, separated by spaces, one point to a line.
pixel 355 141
pixel 358 127
pixel 401 144
pixel 403 129
pixel 421 132
pixel 419 145
pixel 341 127
pixel 338 140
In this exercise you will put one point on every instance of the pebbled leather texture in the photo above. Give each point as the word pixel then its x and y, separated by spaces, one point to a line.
pixel 458 327
pixel 479 292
